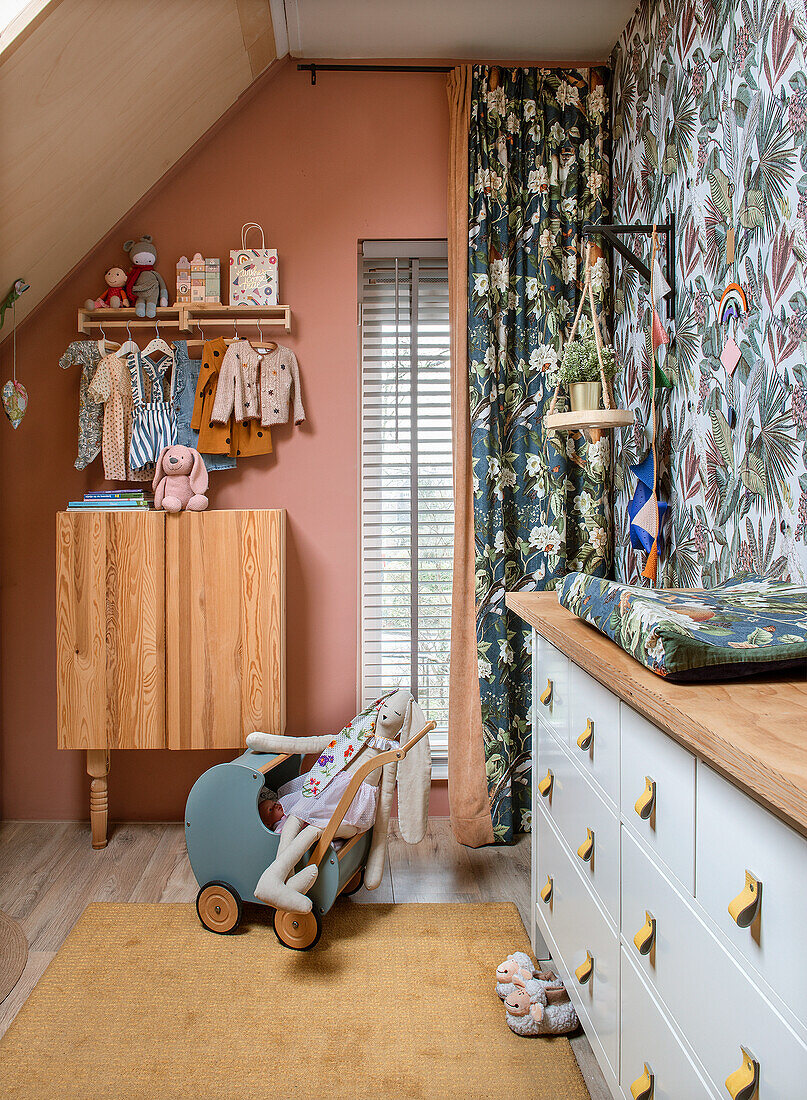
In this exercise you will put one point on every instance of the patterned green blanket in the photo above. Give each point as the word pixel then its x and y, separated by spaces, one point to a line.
pixel 745 626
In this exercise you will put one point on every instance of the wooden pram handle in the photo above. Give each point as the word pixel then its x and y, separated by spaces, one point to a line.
pixel 358 777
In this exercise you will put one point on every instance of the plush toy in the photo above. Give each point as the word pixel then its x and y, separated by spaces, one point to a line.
pixel 534 1009
pixel 519 965
pixel 115 293
pixel 310 800
pixel 180 480
pixel 145 286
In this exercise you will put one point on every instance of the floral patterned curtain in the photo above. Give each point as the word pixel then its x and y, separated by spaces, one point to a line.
pixel 538 171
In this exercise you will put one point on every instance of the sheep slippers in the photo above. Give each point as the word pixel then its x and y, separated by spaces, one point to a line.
pixel 535 1001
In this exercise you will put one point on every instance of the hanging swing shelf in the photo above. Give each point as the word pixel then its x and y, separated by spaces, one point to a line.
pixel 592 418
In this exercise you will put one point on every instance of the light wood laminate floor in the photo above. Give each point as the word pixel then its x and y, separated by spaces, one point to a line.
pixel 49 873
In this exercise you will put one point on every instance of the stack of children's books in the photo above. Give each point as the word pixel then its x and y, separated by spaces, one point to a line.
pixel 113 500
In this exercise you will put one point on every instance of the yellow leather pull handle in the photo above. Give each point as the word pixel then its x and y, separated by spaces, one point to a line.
pixel 642 1087
pixel 584 971
pixel 586 849
pixel 546 890
pixel 546 694
pixel 647 799
pixel 586 737
pixel 545 786
pixel 646 935
pixel 745 906
pixel 743 1084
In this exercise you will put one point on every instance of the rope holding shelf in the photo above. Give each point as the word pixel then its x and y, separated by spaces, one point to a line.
pixel 588 289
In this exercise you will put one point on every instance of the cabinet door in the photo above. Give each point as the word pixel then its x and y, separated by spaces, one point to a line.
pixel 225 627
pixel 110 578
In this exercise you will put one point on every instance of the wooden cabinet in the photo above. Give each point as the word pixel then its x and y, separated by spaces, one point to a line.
pixel 170 633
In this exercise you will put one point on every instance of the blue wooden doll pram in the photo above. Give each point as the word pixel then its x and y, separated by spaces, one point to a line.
pixel 230 847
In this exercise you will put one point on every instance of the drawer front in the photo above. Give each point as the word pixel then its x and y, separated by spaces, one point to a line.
pixel 598 756
pixel 646 1038
pixel 710 995
pixel 576 807
pixel 649 756
pixel 736 835
pixel 552 672
pixel 577 925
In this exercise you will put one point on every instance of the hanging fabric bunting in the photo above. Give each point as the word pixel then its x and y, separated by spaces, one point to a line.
pixel 645 510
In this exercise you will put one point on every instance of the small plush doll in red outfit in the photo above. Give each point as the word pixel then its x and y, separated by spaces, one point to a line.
pixel 115 293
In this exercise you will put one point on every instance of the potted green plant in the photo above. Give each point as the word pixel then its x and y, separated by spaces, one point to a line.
pixel 579 368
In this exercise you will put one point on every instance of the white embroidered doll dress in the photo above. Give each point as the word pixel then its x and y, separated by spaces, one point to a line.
pixel 313 797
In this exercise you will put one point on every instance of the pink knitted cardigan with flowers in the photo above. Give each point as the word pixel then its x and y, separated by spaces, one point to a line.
pixel 279 375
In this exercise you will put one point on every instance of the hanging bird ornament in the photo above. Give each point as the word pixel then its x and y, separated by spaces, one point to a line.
pixel 15 395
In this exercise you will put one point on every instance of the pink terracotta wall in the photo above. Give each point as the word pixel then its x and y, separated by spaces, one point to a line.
pixel 320 167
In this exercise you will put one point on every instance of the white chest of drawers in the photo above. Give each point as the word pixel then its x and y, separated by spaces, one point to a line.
pixel 639 848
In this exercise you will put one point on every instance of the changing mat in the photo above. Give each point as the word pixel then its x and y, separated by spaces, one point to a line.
pixel 745 626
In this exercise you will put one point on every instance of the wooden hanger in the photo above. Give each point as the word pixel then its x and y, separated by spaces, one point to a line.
pixel 264 345
pixel 105 345
pixel 127 345
pixel 197 343
pixel 158 344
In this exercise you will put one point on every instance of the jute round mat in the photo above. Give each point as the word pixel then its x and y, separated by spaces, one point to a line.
pixel 396 1002
pixel 13 954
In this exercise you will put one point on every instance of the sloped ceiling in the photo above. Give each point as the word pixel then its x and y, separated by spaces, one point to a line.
pixel 540 31
pixel 99 99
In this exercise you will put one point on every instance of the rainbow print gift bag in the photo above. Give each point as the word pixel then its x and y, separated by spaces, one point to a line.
pixel 253 272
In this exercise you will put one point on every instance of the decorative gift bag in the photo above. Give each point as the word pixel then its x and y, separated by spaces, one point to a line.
pixel 253 272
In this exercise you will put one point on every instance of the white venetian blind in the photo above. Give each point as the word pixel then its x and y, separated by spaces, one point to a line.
pixel 407 509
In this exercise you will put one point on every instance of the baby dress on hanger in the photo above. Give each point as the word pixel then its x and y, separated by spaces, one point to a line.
pixel 112 388
pixel 153 422
pixel 90 413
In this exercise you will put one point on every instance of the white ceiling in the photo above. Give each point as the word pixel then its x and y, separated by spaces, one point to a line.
pixel 490 30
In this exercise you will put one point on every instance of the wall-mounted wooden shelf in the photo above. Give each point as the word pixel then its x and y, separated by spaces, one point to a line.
pixel 186 315
pixel 593 418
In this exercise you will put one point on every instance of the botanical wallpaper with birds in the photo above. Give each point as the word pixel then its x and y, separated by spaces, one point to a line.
pixel 538 167
pixel 710 121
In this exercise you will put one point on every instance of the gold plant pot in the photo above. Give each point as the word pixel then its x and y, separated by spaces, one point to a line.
pixel 585 396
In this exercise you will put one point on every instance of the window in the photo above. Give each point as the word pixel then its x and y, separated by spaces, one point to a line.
pixel 407 509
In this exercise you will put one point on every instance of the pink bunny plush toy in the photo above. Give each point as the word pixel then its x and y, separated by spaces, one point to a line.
pixel 180 480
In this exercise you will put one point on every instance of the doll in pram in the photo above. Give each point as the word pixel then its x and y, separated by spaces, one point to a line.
pixel 333 837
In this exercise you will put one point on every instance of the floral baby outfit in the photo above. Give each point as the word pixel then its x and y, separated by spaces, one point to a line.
pixel 90 413
pixel 313 797
pixel 112 388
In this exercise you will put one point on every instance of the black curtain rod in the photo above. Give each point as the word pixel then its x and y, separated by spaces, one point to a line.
pixel 314 69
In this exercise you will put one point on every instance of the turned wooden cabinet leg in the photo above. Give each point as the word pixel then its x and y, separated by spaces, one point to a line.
pixel 98 770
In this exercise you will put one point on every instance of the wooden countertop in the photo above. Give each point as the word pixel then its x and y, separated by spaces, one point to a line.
pixel 754 732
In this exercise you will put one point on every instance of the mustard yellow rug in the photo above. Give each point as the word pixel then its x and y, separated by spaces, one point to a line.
pixel 396 1001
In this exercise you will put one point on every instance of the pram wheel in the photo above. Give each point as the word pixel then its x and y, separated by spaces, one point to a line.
pixel 355 884
pixel 300 931
pixel 219 907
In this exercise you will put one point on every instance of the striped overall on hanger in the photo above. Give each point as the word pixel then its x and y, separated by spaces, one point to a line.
pixel 153 421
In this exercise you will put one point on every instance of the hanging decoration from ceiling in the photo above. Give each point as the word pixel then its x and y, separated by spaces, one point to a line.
pixel 15 395
pixel 645 510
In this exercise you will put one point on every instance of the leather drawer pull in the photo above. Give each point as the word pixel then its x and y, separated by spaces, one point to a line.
pixel 745 906
pixel 545 786
pixel 647 799
pixel 546 694
pixel 642 1087
pixel 584 971
pixel 586 849
pixel 646 936
pixel 546 890
pixel 743 1084
pixel 586 737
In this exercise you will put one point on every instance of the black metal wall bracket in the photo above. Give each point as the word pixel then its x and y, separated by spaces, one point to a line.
pixel 667 229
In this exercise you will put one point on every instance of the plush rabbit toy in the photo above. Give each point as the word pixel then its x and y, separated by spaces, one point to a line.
pixel 180 480
pixel 310 801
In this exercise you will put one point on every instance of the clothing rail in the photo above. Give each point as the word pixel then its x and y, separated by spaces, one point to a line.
pixel 314 69
pixel 186 316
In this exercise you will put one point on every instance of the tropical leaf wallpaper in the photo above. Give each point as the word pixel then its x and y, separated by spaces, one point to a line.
pixel 710 121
